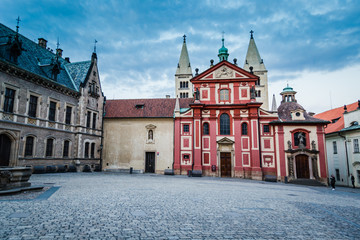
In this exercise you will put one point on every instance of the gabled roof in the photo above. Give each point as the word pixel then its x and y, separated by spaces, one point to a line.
pixel 144 108
pixel 39 61
pixel 235 74
pixel 335 116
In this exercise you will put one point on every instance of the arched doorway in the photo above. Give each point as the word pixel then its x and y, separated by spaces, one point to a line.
pixel 5 148
pixel 302 166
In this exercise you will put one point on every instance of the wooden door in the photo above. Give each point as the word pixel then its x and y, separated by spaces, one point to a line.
pixel 5 147
pixel 225 159
pixel 302 166
pixel 150 162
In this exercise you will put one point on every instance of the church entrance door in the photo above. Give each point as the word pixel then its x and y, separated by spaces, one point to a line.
pixel 225 159
pixel 302 166
pixel 150 162
pixel 5 147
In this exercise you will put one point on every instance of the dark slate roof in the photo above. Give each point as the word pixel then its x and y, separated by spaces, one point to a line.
pixel 152 108
pixel 38 60
pixel 285 109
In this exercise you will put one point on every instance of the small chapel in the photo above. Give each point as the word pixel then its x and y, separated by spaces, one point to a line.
pixel 218 125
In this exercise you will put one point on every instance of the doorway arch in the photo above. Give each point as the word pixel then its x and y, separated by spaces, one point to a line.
pixel 302 166
pixel 5 150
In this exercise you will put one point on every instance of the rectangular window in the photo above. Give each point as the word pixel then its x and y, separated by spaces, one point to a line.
pixel 68 115
pixel 29 145
pixel 9 100
pixel 356 145
pixel 86 154
pixel 88 119
pixel 224 94
pixel 52 111
pixel 337 174
pixel 334 147
pixel 33 106
pixel 266 129
pixel 49 147
pixel 66 148
pixel 186 128
pixel 93 150
pixel 94 120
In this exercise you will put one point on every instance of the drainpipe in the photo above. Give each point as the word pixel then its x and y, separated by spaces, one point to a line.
pixel 102 135
pixel 347 158
pixel 260 153
pixel 174 147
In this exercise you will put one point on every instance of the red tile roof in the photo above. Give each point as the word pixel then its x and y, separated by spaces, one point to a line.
pixel 334 114
pixel 152 108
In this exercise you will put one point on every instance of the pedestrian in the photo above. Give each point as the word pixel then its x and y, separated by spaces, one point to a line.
pixel 332 182
pixel 353 180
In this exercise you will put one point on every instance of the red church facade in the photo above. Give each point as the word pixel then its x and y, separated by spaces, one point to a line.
pixel 224 132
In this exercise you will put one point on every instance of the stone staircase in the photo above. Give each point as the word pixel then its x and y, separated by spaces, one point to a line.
pixel 307 182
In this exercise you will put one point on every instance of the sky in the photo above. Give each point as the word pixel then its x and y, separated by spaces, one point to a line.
pixel 314 46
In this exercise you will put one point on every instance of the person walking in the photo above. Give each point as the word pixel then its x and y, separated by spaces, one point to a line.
pixel 353 180
pixel 332 182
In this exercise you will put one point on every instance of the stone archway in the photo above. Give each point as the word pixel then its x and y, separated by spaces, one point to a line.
pixel 5 150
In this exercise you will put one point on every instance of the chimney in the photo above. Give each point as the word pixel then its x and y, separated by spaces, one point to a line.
pixel 59 52
pixel 67 59
pixel 42 42
pixel 167 96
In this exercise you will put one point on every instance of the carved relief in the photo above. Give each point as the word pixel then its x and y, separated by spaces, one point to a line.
pixel 291 166
pixel 224 72
pixel 314 167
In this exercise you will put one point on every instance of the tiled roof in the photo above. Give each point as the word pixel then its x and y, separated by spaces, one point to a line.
pixel 152 108
pixel 333 114
pixel 38 60
pixel 284 111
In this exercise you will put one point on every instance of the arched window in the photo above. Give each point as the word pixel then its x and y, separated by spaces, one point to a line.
pixel 224 124
pixel 49 147
pixel 92 150
pixel 86 153
pixel 244 129
pixel 150 135
pixel 224 94
pixel 29 146
pixel 187 84
pixel 206 129
pixel 181 84
pixel 66 148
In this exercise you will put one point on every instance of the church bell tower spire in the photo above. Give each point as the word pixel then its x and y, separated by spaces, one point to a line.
pixel 183 86
pixel 254 60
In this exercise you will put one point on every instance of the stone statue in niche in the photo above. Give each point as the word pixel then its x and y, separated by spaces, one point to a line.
pixel 252 93
pixel 197 94
pixel 150 135
pixel 301 138
pixel 289 144
pixel 313 145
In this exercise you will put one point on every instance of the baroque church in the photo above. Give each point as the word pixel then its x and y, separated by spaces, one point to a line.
pixel 51 109
pixel 219 124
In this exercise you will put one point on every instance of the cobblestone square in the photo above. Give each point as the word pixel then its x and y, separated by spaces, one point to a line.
pixel 142 206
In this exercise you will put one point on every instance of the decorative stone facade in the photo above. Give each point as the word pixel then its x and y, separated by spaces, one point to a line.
pixel 44 102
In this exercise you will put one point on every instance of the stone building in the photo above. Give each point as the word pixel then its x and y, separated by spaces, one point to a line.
pixel 50 109
pixel 183 86
pixel 342 143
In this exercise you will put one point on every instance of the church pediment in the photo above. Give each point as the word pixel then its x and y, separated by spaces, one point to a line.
pixel 225 70
pixel 225 140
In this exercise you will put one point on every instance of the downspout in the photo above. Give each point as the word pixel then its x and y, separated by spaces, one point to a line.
pixel 174 146
pixel 347 158
pixel 260 153
pixel 193 147
pixel 102 135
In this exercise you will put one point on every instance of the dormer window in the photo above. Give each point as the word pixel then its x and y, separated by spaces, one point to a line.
pixel 139 106
pixel 297 114
pixel 354 123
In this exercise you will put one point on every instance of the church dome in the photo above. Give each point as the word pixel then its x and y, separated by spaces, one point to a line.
pixel 285 109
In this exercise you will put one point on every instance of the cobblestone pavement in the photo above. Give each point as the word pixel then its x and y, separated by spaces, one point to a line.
pixel 141 206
